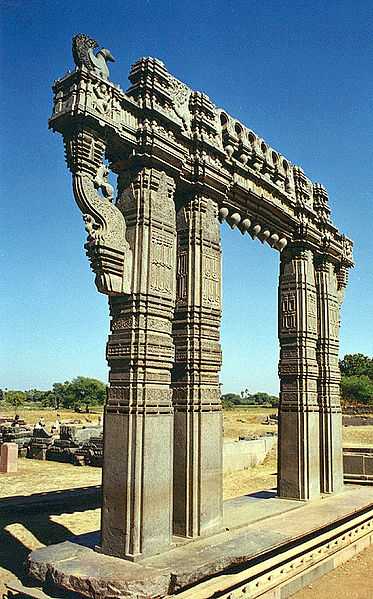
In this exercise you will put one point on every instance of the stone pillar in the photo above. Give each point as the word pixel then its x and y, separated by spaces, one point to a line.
pixel 331 462
pixel 9 458
pixel 138 428
pixel 298 454
pixel 198 431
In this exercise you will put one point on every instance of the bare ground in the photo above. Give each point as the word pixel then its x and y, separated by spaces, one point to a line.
pixel 352 580
pixel 18 535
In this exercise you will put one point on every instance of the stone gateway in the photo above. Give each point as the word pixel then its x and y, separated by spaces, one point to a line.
pixel 183 167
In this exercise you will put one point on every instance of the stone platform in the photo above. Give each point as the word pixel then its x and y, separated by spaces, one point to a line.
pixel 266 543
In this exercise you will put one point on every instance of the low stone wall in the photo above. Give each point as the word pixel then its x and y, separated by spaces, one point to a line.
pixel 357 420
pixel 358 464
pixel 243 454
pixel 357 409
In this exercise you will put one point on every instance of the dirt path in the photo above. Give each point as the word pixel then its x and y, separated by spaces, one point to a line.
pixel 352 580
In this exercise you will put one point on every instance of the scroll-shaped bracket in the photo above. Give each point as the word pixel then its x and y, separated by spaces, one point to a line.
pixel 107 248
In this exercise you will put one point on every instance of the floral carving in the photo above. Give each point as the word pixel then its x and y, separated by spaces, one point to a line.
pixel 180 94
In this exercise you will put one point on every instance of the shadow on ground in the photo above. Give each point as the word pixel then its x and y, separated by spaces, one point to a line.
pixel 35 514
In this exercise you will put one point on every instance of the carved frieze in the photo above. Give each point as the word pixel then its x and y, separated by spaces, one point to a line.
pixel 182 277
pixel 162 204
pixel 211 279
pixel 120 324
pixel 288 311
pixel 161 269
pixel 312 312
pixel 162 118
pixel 180 94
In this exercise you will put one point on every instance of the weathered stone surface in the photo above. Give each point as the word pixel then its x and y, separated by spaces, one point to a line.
pixel 242 454
pixel 40 442
pixel 183 165
pixel 267 536
pixel 358 464
pixel 329 298
pixel 198 423
pixel 299 459
pixel 82 570
pixel 9 457
pixel 137 473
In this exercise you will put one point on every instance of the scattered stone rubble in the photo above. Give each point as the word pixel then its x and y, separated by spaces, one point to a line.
pixel 15 430
pixel 74 443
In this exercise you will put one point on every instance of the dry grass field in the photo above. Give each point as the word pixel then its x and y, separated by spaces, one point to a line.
pixel 32 416
pixel 19 535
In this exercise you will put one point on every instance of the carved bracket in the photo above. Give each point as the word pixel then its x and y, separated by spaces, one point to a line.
pixel 107 248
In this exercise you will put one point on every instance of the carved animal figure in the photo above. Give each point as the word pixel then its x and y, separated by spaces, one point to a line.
pixel 84 55
pixel 101 182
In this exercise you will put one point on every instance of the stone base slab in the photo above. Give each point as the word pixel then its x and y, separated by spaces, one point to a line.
pixel 247 559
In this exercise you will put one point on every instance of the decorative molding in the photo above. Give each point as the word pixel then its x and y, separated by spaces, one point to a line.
pixel 107 247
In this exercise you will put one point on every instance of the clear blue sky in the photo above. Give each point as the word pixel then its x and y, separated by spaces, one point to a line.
pixel 297 73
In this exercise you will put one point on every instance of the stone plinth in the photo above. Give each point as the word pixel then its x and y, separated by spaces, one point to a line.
pixel 9 457
pixel 358 464
pixel 255 525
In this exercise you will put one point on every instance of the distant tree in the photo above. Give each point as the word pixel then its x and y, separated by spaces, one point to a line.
pixel 227 405
pixel 356 365
pixel 60 395
pixel 2 396
pixel 230 399
pixel 357 389
pixel 15 399
pixel 84 391
pixel 357 379
pixel 35 395
pixel 245 399
pixel 262 398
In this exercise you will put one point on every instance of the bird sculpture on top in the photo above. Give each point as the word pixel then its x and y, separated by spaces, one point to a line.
pixel 84 55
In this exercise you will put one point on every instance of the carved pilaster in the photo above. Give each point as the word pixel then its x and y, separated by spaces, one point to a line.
pixel 321 202
pixel 195 377
pixel 137 480
pixel 331 464
pixel 298 471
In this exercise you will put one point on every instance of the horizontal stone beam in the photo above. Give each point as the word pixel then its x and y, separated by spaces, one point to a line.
pixel 162 122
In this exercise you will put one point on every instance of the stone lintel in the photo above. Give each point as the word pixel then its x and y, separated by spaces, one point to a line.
pixel 161 122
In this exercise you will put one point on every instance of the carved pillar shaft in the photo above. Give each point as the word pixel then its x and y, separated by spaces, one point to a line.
pixel 298 468
pixel 331 461
pixel 137 473
pixel 195 378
